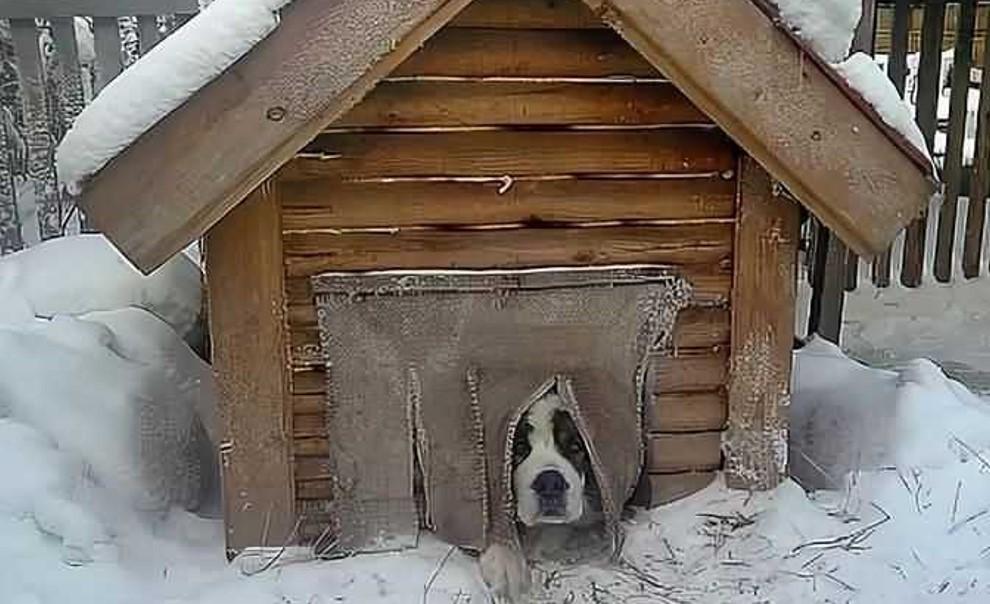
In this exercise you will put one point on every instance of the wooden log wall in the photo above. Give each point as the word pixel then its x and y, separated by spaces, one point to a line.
pixel 524 134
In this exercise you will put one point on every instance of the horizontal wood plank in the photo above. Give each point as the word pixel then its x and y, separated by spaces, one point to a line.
pixel 481 52
pixel 690 371
pixel 310 253
pixel 684 412
pixel 711 284
pixel 671 453
pixel 697 327
pixel 668 488
pixel 536 14
pixel 328 203
pixel 514 153
pixel 29 9
pixel 471 103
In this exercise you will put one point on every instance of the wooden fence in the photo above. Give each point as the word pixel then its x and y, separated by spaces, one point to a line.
pixel 55 55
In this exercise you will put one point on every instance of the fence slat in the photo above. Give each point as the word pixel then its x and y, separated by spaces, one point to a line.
pixel 106 36
pixel 953 166
pixel 41 168
pixel 928 88
pixel 148 32
pixel 980 181
pixel 897 72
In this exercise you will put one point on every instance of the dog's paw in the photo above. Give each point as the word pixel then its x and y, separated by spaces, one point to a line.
pixel 505 571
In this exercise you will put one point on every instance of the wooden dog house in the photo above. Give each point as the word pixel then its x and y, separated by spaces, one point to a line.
pixel 400 134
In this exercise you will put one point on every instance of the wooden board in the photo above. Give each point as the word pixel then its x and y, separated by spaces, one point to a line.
pixel 329 203
pixel 21 9
pixel 698 327
pixel 498 153
pixel 319 62
pixel 690 371
pixel 668 488
pixel 248 333
pixel 537 53
pixel 763 301
pixel 532 14
pixel 314 252
pixel 472 103
pixel 711 284
pixel 688 412
pixel 669 453
pixel 784 108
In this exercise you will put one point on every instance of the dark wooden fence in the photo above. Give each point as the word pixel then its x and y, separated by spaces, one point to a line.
pixel 55 55
pixel 936 54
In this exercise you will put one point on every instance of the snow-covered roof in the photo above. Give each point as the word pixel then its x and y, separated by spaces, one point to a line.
pixel 160 82
pixel 169 186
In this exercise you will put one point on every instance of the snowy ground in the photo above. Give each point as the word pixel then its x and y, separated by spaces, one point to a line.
pixel 92 366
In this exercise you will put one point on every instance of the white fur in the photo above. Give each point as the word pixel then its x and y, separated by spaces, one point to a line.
pixel 505 572
pixel 545 456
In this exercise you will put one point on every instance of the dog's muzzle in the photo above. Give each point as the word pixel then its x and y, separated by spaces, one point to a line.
pixel 551 490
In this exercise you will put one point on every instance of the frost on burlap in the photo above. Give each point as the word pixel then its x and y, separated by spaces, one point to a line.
pixel 434 370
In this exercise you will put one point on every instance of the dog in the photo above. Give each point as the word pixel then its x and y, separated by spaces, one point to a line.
pixel 553 485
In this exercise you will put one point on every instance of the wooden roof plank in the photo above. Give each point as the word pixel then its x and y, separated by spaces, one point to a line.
pixel 191 168
pixel 784 108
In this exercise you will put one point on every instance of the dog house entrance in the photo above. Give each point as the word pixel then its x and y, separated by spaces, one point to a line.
pixel 440 366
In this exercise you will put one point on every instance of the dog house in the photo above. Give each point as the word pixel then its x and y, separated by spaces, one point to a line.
pixel 367 135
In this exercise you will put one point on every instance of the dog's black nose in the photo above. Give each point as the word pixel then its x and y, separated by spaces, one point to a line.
pixel 550 483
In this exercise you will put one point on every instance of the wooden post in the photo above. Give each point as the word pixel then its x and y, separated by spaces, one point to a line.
pixel 763 298
pixel 247 311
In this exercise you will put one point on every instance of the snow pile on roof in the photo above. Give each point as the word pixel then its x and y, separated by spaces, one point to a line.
pixel 76 275
pixel 161 81
pixel 866 77
pixel 828 26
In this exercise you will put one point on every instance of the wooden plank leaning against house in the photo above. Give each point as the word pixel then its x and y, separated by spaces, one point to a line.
pixel 250 343
pixel 463 171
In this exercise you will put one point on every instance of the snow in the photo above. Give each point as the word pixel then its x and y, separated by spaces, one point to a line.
pixel 898 463
pixel 76 275
pixel 161 81
pixel 828 26
pixel 867 78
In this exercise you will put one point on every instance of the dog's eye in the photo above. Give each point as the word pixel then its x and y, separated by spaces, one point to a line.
pixel 520 444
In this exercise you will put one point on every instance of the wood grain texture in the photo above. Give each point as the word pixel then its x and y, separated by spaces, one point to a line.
pixel 313 252
pixel 250 347
pixel 543 53
pixel 697 327
pixel 926 100
pixel 529 14
pixel 513 153
pixel 690 371
pixel 945 243
pixel 763 301
pixel 183 175
pixel 711 284
pixel 668 488
pixel 688 412
pixel 501 103
pixel 980 184
pixel 329 203
pixel 783 109
pixel 670 453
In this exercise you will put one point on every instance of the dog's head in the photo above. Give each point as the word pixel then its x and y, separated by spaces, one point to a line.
pixel 550 465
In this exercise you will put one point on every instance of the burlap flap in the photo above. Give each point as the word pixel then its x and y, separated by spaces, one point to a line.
pixel 437 369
